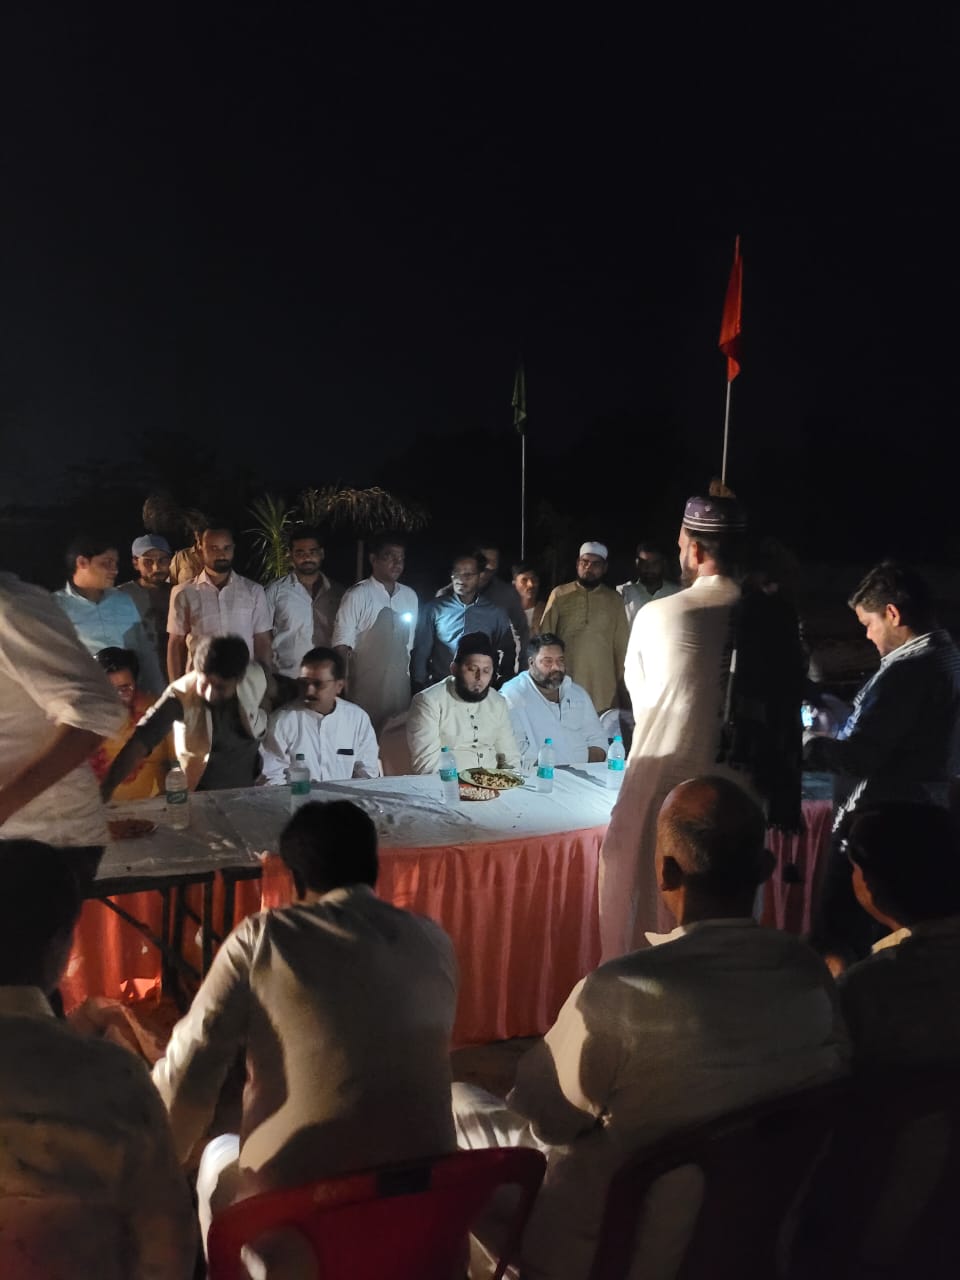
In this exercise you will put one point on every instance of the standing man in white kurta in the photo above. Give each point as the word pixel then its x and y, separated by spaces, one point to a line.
pixel 675 672
pixel 374 633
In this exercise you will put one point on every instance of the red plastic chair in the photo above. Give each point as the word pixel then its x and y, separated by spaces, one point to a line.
pixel 755 1163
pixel 401 1222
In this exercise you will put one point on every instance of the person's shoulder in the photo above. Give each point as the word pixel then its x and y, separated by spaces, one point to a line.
pixel 288 715
pixel 433 694
pixel 247 584
pixel 576 692
pixel 515 687
pixel 563 589
pixel 495 700
pixel 122 601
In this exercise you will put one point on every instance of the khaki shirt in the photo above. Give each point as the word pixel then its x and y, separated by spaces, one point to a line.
pixel 593 627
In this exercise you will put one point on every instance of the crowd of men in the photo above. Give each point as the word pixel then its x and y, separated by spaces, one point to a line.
pixel 341 1005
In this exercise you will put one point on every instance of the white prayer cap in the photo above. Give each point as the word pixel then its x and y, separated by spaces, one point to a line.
pixel 594 549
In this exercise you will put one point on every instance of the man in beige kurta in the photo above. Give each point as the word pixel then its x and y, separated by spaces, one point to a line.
pixel 589 618
pixel 676 670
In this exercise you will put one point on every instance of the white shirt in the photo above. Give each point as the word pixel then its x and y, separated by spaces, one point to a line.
pixel 81 1126
pixel 572 722
pixel 721 1017
pixel 635 596
pixel 238 608
pixel 345 1009
pixel 301 621
pixel 476 732
pixel 379 628
pixel 336 746
pixel 361 606
pixel 47 679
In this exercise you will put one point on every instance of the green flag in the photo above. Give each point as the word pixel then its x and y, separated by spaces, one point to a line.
pixel 520 400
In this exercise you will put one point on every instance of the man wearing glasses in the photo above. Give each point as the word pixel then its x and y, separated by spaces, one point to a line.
pixel 446 619
pixel 335 737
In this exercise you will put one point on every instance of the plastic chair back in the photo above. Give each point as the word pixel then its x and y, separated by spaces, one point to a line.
pixel 401 1222
pixel 755 1162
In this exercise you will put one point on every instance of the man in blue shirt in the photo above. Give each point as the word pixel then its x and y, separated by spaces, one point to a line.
pixel 449 617
pixel 103 617
pixel 902 742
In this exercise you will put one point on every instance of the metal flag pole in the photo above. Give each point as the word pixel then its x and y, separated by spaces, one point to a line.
pixel 726 434
pixel 523 496
pixel 730 330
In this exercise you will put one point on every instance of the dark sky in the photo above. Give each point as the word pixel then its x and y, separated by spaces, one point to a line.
pixel 308 237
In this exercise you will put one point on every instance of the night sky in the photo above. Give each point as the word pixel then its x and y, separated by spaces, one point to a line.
pixel 314 242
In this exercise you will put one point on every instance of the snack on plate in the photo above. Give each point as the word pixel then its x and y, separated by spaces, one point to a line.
pixel 470 792
pixel 130 828
pixel 495 779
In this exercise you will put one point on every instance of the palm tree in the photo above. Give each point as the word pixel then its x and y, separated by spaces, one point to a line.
pixel 273 519
pixel 363 511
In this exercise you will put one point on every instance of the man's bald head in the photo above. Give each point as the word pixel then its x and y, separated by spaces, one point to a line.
pixel 714 833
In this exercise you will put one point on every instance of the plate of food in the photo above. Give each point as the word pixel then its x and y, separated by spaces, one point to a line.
pixel 130 828
pixel 492 779
pixel 468 791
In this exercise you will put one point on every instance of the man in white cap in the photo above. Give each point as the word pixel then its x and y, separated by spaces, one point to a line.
pixel 589 619
pixel 150 589
pixel 675 673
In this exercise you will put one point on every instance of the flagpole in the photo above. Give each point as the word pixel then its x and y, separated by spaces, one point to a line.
pixel 523 496
pixel 726 434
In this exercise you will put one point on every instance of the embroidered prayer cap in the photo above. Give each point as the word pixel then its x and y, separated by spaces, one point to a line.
pixel 476 643
pixel 149 542
pixel 714 515
pixel 595 549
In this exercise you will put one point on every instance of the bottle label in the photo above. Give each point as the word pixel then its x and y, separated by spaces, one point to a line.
pixel 545 771
pixel 301 787
pixel 615 764
pixel 448 775
pixel 177 797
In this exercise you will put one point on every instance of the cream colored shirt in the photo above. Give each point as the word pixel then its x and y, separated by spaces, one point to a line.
pixel 345 1009
pixel 478 733
pixel 82 1128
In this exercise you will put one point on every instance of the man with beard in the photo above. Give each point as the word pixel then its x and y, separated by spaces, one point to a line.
pixel 465 611
pixel 335 737
pixel 675 673
pixel 464 714
pixel 150 589
pixel 589 618
pixel 303 605
pixel 218 602
pixel 545 703
pixel 649 584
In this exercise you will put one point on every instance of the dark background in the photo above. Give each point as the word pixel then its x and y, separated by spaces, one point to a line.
pixel 248 247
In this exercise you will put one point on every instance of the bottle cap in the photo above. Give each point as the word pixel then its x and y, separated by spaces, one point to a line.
pixel 617 737
pixel 299 756
pixel 548 742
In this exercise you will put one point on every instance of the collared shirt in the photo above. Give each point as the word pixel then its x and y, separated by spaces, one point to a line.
pixel 153 605
pixel 571 721
pixel 635 595
pixel 301 621
pixel 362 604
pixel 48 679
pixel 722 1016
pixel 81 1125
pixel 335 746
pixel 478 733
pixel 238 608
pixel 902 741
pixel 344 1009
pixel 902 1003
pixel 113 620
pixel 445 620
pixel 593 627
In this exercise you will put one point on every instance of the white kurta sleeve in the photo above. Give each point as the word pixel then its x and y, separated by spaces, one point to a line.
pixel 506 743
pixel 346 625
pixel 275 750
pixel 592 728
pixel 366 749
pixel 423 735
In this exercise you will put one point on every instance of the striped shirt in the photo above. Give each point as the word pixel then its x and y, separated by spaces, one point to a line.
pixel 238 608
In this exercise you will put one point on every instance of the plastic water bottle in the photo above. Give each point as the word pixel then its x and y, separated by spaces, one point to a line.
pixel 546 763
pixel 299 776
pixel 615 759
pixel 178 800
pixel 449 780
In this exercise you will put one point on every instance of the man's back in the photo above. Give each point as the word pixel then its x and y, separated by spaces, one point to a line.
pixel 345 1007
pixel 723 1015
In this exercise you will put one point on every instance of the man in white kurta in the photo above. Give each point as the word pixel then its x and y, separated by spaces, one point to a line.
pixel 676 675
pixel 464 714
pixel 374 631
pixel 335 737
pixel 720 1014
pixel 545 703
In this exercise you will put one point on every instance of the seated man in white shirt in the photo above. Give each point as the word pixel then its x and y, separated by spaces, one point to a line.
pixel 463 713
pixel 720 1015
pixel 343 1006
pixel 335 737
pixel 545 703
pixel 89 1183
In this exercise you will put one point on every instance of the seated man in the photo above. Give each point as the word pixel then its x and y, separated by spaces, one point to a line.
pixel 147 778
pixel 901 1003
pixel 721 1014
pixel 218 715
pixel 343 1006
pixel 545 703
pixel 463 713
pixel 335 737
pixel 89 1183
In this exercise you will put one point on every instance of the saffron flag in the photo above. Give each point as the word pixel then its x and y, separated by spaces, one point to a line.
pixel 519 401
pixel 730 325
